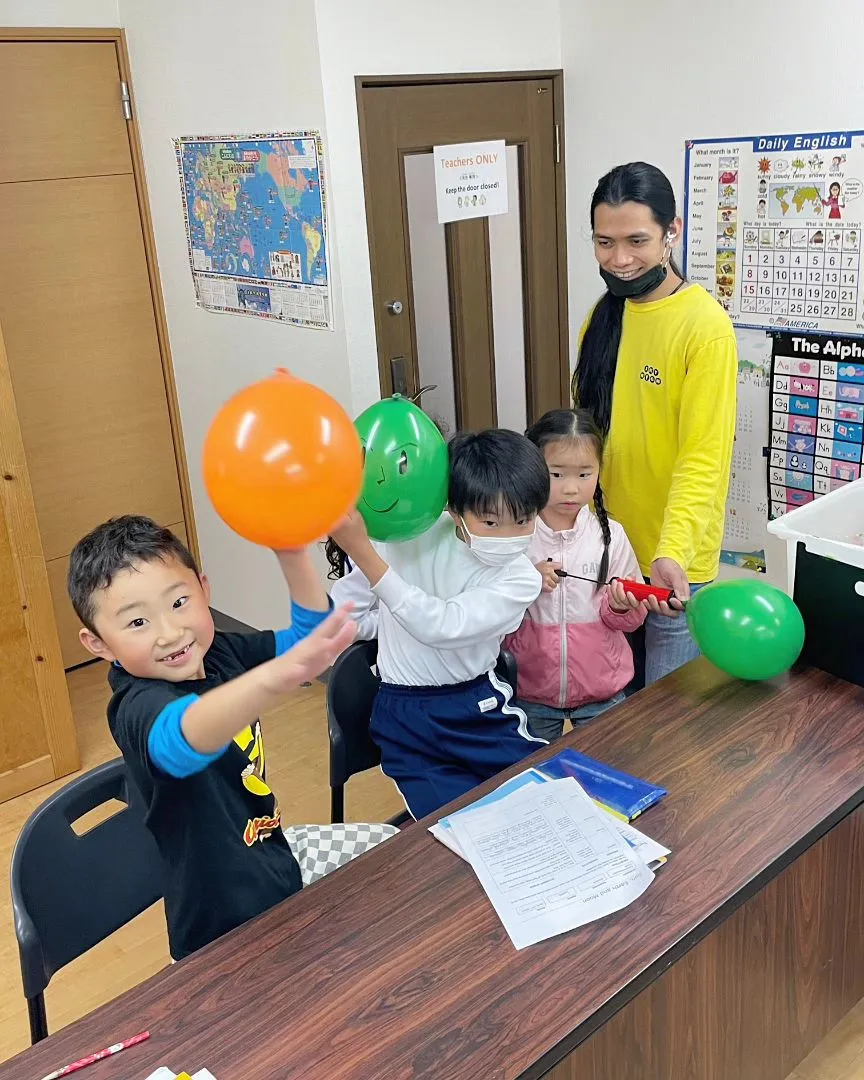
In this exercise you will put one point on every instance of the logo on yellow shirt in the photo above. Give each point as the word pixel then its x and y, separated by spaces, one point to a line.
pixel 651 375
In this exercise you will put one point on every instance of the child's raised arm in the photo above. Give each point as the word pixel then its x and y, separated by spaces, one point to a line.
pixel 309 600
pixel 354 589
pixel 303 580
pixel 462 620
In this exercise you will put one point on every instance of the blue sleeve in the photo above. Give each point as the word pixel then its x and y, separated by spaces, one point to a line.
pixel 303 622
pixel 167 745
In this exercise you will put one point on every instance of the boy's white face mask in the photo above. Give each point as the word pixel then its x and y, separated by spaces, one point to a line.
pixel 495 550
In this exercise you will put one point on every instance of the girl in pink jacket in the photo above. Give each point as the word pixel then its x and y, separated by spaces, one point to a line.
pixel 573 657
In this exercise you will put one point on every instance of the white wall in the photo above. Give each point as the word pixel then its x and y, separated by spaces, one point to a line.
pixel 373 37
pixel 639 84
pixel 59 13
pixel 199 68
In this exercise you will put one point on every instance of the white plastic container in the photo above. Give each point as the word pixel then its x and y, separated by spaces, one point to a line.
pixel 826 526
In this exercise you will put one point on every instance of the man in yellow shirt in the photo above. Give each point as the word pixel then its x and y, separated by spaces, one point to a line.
pixel 658 367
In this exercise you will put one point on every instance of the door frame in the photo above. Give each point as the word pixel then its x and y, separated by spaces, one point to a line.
pixel 556 76
pixel 117 37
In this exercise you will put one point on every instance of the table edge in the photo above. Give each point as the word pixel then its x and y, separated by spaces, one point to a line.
pixel 602 1015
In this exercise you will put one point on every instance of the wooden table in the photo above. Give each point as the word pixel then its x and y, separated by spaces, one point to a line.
pixel 743 953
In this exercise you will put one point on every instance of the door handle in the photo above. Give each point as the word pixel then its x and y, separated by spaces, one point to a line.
pixel 399 375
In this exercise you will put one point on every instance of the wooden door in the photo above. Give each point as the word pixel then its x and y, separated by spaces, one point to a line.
pixel 88 418
pixel 400 125
pixel 37 734
pixel 76 304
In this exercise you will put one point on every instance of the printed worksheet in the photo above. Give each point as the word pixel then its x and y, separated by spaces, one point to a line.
pixel 651 853
pixel 549 860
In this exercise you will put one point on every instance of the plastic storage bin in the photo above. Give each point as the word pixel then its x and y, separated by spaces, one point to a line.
pixel 825 526
pixel 824 573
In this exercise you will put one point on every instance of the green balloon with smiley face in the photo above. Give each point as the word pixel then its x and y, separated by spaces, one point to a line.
pixel 405 472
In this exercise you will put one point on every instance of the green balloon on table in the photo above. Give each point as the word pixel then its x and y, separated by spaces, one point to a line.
pixel 406 471
pixel 749 629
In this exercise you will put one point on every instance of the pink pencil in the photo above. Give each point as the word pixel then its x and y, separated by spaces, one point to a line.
pixel 107 1052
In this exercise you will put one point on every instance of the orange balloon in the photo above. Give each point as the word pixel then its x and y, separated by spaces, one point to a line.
pixel 282 462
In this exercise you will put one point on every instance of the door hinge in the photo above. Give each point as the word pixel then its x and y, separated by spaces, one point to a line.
pixel 557 144
pixel 125 101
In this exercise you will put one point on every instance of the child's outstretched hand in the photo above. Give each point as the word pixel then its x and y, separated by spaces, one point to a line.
pixel 313 654
pixel 547 572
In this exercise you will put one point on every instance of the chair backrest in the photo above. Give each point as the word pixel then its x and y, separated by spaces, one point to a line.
pixel 506 669
pixel 69 892
pixel 351 690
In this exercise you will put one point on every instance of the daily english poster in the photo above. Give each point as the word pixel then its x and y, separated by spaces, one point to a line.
pixel 773 229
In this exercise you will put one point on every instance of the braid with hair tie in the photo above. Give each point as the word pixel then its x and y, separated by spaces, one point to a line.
pixel 603 518
pixel 337 559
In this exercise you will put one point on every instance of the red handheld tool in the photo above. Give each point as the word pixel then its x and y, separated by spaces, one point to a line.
pixel 638 588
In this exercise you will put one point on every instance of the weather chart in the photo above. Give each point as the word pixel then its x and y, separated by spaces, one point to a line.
pixel 773 228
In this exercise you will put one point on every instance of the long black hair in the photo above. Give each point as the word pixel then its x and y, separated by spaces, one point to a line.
pixel 594 376
pixel 573 425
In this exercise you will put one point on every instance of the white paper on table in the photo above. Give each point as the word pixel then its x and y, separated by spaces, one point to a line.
pixel 651 853
pixel 648 850
pixel 549 860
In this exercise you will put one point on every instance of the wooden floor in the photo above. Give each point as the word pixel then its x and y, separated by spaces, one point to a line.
pixel 296 739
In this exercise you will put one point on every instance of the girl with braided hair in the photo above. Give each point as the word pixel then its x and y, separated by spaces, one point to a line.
pixel 573 657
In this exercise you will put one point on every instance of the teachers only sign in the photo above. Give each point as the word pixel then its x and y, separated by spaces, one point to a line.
pixel 470 180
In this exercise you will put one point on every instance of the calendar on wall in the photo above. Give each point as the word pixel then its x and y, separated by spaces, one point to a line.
pixel 817 417
pixel 773 229
pixel 810 273
pixel 746 516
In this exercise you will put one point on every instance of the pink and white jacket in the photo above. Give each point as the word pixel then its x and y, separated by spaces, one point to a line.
pixel 571 648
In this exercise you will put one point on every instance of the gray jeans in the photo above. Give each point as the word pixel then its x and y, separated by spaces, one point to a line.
pixel 545 722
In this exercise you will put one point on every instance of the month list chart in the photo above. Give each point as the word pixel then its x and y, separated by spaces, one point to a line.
pixel 817 417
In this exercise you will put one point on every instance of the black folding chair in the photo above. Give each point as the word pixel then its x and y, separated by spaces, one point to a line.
pixel 69 892
pixel 506 669
pixel 351 690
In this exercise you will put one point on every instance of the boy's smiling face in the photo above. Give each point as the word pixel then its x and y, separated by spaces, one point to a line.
pixel 154 620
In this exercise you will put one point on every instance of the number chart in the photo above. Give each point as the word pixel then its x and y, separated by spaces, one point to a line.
pixel 808 273
pixel 817 417
pixel 773 229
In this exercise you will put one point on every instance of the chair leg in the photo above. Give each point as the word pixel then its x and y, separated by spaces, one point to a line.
pixel 38 1019
pixel 337 805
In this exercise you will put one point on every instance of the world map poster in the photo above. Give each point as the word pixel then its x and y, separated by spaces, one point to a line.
pixel 256 223
pixel 773 229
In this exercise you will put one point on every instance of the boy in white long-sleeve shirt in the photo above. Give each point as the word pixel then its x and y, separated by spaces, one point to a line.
pixel 440 606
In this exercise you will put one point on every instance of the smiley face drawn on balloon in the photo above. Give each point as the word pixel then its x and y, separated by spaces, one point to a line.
pixel 405 470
